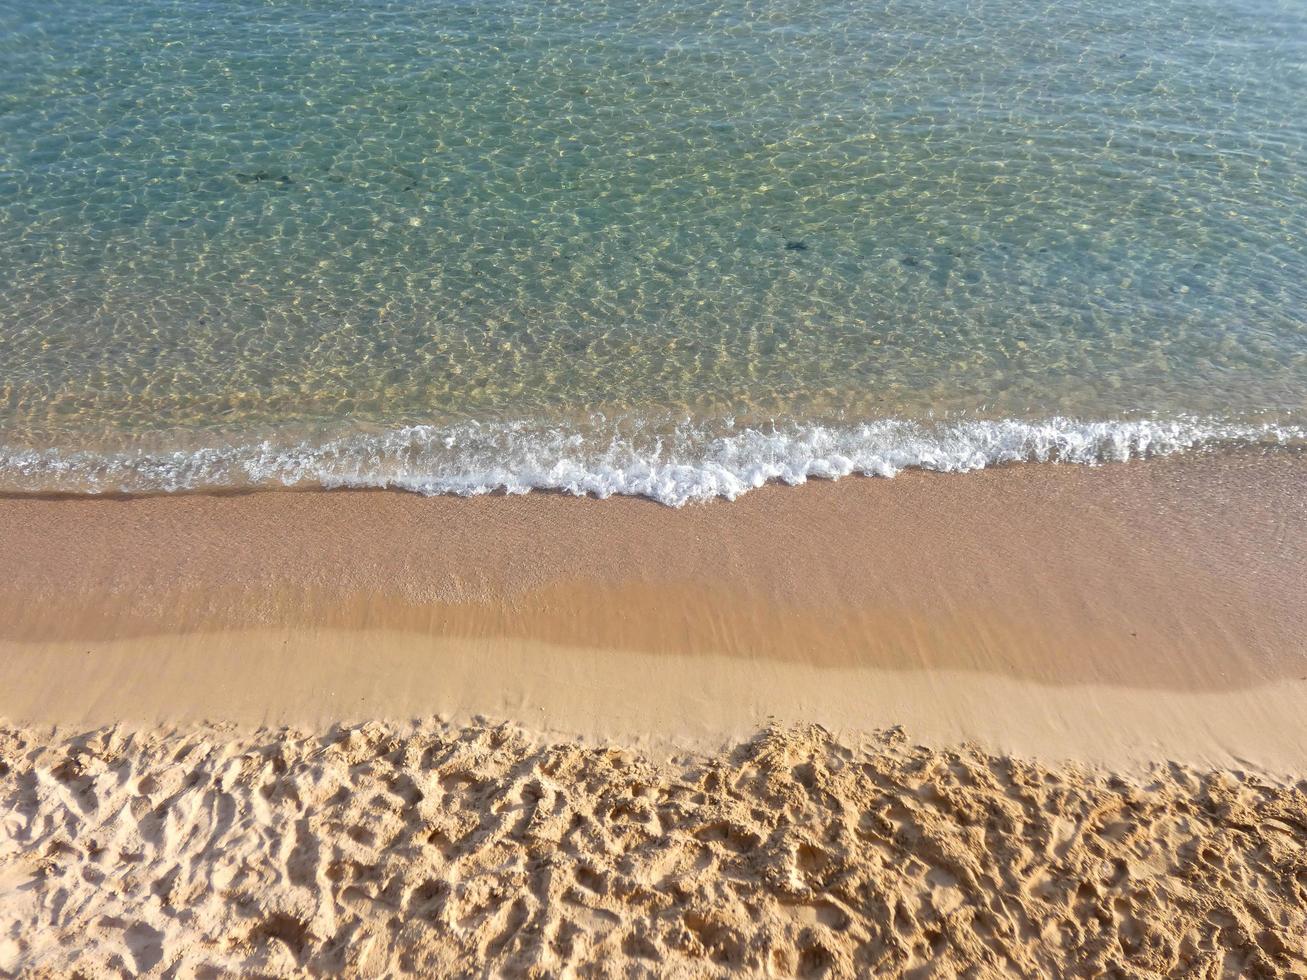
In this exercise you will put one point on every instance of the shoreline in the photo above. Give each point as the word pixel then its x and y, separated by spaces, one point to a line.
pixel 689 463
pixel 1118 614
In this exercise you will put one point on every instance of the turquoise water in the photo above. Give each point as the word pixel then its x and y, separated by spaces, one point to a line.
pixel 659 247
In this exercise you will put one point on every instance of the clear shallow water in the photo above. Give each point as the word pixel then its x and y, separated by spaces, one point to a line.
pixel 670 248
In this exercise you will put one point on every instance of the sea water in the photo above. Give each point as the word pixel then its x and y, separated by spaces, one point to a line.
pixel 665 247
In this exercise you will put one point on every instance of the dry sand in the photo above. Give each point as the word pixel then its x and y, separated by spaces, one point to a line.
pixel 1125 646
pixel 431 851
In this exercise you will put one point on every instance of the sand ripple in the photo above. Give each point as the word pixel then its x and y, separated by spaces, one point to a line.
pixel 383 851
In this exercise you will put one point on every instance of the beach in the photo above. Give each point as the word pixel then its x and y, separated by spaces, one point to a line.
pixel 1029 720
pixel 652 488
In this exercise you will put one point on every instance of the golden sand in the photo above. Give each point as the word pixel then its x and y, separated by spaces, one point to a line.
pixel 1105 668
pixel 426 850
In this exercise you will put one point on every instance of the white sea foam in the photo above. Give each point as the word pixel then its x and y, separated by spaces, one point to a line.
pixel 673 465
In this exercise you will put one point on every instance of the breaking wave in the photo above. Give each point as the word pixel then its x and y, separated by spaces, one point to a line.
pixel 672 464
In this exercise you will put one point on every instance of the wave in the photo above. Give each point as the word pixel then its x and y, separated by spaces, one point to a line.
pixel 673 465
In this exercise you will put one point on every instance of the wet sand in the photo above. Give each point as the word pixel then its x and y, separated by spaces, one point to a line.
pixel 1118 614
